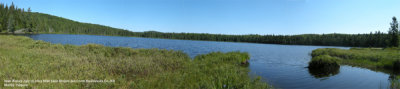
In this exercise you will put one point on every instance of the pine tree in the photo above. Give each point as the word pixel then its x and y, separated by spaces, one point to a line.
pixel 1 16
pixel 11 24
pixel 394 33
pixel 29 20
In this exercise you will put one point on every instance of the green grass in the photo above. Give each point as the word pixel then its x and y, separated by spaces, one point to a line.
pixel 372 58
pixel 324 61
pixel 324 66
pixel 385 60
pixel 22 58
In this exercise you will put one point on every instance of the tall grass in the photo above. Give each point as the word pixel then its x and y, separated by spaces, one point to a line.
pixel 372 58
pixel 324 66
pixel 22 58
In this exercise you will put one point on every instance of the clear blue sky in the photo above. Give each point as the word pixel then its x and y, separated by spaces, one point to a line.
pixel 226 16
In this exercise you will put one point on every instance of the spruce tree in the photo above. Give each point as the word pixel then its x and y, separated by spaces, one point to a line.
pixel 29 20
pixel 394 33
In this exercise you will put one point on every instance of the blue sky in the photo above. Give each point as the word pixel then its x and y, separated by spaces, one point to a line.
pixel 226 16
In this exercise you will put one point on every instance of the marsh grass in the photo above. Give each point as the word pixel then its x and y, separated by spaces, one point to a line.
pixel 385 60
pixel 324 66
pixel 22 58
pixel 324 62
pixel 372 58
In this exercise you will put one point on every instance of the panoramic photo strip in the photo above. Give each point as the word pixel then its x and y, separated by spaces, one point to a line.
pixel 199 44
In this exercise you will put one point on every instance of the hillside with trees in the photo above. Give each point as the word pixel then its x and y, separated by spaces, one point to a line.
pixel 17 20
pixel 14 19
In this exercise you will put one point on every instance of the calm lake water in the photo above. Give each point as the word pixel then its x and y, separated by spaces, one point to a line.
pixel 282 66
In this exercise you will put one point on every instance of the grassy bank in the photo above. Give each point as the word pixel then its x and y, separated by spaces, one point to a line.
pixel 385 60
pixel 22 58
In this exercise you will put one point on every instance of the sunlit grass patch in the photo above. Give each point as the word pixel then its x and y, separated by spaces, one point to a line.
pixel 373 58
pixel 23 58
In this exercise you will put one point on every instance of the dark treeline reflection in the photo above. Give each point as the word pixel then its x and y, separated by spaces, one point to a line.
pixel 394 78
pixel 394 81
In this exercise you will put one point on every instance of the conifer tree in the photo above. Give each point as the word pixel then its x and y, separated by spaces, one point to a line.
pixel 394 33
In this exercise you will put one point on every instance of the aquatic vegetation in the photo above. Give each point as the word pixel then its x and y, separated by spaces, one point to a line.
pixel 385 60
pixel 22 58
pixel 324 66
pixel 372 58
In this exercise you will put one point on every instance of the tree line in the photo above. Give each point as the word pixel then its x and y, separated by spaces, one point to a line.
pixel 13 18
pixel 376 39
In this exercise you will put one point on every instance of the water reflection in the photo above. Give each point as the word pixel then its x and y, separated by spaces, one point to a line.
pixel 324 72
pixel 245 64
pixel 394 79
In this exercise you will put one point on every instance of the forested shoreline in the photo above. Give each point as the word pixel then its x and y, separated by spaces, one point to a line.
pixel 17 20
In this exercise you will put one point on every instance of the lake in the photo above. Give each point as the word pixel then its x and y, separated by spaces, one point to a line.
pixel 282 66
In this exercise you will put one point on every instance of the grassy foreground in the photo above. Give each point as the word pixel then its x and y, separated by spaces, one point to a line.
pixel 22 58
